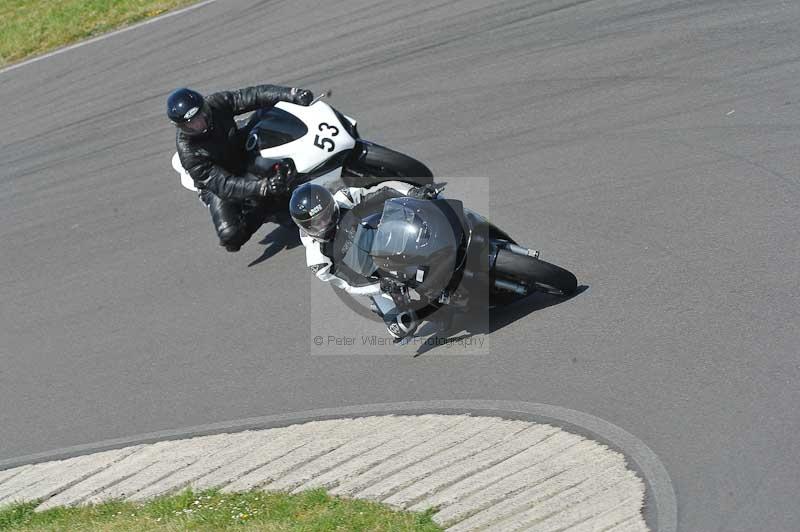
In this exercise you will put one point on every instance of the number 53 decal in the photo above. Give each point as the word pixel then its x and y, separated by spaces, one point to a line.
pixel 324 142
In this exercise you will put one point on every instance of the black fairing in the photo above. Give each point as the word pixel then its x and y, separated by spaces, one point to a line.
pixel 331 164
pixel 346 124
pixel 417 243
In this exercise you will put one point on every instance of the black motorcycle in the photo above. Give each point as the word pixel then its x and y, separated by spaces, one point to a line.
pixel 436 253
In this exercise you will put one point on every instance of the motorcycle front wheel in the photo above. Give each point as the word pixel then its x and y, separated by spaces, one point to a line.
pixel 372 163
pixel 534 273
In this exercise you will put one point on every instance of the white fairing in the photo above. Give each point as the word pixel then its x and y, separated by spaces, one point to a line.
pixel 325 138
pixel 186 179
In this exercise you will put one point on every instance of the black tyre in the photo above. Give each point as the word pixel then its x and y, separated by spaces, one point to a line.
pixel 535 273
pixel 378 163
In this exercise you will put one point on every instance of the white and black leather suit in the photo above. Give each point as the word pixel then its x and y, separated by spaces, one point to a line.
pixel 216 162
pixel 321 254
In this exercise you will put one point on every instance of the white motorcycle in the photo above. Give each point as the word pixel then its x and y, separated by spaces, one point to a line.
pixel 323 145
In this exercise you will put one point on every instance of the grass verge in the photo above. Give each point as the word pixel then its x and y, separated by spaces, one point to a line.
pixel 213 511
pixel 32 27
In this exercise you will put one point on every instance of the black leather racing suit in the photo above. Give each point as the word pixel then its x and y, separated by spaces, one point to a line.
pixel 216 162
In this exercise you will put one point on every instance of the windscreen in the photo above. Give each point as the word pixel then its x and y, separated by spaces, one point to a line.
pixel 402 231
pixel 276 128
pixel 416 243
pixel 357 257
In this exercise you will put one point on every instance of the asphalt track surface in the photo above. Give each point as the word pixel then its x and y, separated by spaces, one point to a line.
pixel 649 146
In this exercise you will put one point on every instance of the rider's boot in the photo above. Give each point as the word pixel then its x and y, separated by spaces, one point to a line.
pixel 402 325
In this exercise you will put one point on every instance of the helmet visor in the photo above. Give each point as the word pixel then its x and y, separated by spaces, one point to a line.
pixel 319 225
pixel 197 125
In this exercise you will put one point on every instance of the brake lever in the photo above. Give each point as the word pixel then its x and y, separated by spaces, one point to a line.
pixel 327 93
pixel 436 189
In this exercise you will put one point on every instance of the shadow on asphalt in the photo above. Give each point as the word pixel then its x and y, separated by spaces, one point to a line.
pixel 280 238
pixel 498 318
pixel 537 301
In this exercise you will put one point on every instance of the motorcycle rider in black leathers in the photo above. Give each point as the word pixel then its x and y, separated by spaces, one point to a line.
pixel 211 149
pixel 318 214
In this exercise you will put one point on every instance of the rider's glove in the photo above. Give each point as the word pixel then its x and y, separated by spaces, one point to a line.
pixel 283 172
pixel 423 192
pixel 271 186
pixel 401 325
pixel 390 286
pixel 302 96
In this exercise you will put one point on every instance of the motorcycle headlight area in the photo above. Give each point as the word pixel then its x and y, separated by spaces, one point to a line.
pixel 415 242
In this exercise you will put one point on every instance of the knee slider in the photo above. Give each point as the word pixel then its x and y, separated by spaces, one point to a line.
pixel 229 235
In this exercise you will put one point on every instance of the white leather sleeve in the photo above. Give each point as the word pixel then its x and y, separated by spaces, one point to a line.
pixel 314 255
pixel 321 265
pixel 357 194
pixel 317 261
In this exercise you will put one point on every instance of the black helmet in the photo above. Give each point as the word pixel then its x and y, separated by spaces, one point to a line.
pixel 189 112
pixel 314 210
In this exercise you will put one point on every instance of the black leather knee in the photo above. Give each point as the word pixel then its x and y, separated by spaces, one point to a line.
pixel 229 222
pixel 231 236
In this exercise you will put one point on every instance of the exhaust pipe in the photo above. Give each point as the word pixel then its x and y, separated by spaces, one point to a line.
pixel 508 286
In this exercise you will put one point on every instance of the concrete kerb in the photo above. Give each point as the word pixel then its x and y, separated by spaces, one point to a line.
pixel 660 503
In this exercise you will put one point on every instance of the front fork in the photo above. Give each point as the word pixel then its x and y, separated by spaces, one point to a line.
pixel 519 250
pixel 402 300
pixel 502 284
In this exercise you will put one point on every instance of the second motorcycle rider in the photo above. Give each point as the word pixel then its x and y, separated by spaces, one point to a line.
pixel 318 213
